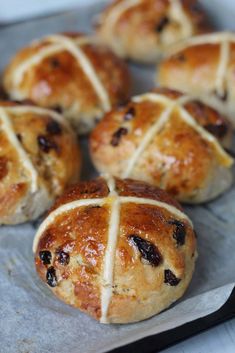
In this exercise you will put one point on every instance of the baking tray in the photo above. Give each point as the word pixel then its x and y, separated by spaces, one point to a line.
pixel 66 21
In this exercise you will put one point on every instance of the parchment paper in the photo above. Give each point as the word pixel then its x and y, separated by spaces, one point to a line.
pixel 32 320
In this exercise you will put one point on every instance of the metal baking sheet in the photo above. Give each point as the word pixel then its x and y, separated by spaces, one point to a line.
pixel 33 320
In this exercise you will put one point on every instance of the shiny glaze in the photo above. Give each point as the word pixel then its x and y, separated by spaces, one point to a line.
pixel 177 158
pixel 84 234
pixel 27 124
pixel 143 29
pixel 58 80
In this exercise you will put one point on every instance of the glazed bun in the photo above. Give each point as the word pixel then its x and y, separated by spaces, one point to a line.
pixel 119 250
pixel 39 157
pixel 141 30
pixel 204 67
pixel 70 73
pixel 168 140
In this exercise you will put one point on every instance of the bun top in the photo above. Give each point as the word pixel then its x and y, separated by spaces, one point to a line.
pixel 203 65
pixel 36 147
pixel 157 22
pixel 166 138
pixel 127 223
pixel 70 72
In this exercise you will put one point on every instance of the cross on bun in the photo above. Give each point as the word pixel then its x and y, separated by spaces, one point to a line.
pixel 70 73
pixel 39 157
pixel 204 67
pixel 142 29
pixel 119 250
pixel 169 140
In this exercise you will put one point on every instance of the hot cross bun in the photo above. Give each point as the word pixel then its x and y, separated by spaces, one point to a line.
pixel 39 157
pixel 70 73
pixel 169 140
pixel 204 67
pixel 119 250
pixel 142 29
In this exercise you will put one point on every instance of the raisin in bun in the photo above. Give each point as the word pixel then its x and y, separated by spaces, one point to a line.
pixel 142 29
pixel 204 67
pixel 39 157
pixel 168 140
pixel 71 73
pixel 119 250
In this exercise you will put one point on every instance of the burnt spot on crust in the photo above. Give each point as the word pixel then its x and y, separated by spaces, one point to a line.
pixel 54 62
pixel 45 144
pixel 130 113
pixel 170 278
pixel 118 135
pixel 51 277
pixel 45 257
pixel 219 130
pixel 148 250
pixel 179 232
pixel 53 128
pixel 164 21
pixel 63 257
pixel 3 167
pixel 222 96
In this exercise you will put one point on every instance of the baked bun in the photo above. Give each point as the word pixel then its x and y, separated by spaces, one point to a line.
pixel 204 67
pixel 142 29
pixel 39 157
pixel 168 140
pixel 70 73
pixel 119 250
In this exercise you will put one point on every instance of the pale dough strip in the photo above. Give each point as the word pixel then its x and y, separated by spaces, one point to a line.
pixel 24 109
pixel 24 158
pixel 59 43
pixel 222 68
pixel 59 211
pixel 109 256
pixel 170 104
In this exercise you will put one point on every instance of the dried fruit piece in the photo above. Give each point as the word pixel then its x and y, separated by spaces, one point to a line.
pixel 45 144
pixel 148 250
pixel 170 278
pixel 54 63
pixel 118 135
pixel 54 128
pixel 179 233
pixel 63 257
pixel 218 130
pixel 51 277
pixel 129 114
pixel 45 257
pixel 162 24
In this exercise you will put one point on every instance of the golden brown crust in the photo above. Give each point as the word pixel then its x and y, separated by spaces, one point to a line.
pixel 196 69
pixel 84 190
pixel 52 150
pixel 177 158
pixel 143 31
pixel 71 250
pixel 196 64
pixel 59 82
